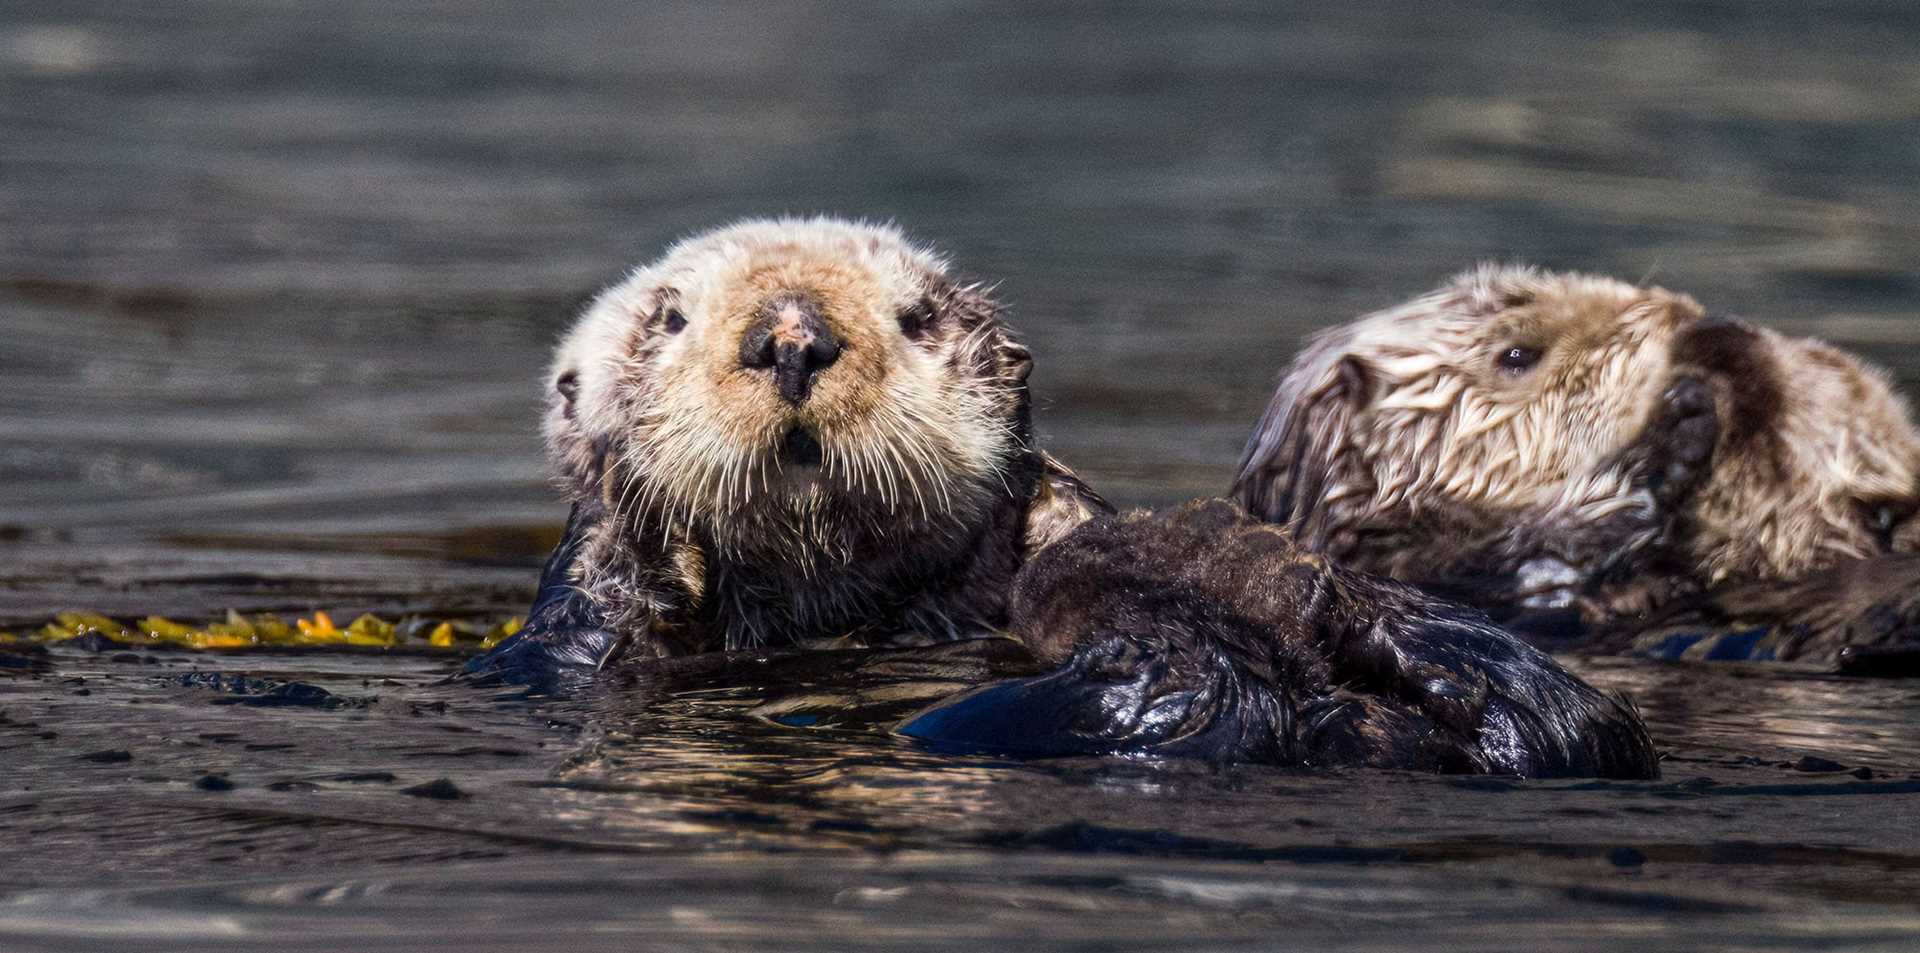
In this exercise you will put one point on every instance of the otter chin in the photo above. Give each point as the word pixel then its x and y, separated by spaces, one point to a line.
pixel 787 432
pixel 1595 458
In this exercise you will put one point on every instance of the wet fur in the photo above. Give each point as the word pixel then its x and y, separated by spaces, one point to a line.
pixel 689 533
pixel 1654 456
pixel 1204 632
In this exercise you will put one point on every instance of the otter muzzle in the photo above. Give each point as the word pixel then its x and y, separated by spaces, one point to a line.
pixel 790 337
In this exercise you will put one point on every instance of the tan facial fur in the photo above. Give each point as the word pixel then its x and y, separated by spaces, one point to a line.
pixel 914 430
pixel 1410 408
pixel 797 428
pixel 1410 415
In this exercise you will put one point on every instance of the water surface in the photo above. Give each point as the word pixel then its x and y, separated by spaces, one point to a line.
pixel 277 280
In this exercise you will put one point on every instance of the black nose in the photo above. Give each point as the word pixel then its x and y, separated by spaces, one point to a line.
pixel 789 336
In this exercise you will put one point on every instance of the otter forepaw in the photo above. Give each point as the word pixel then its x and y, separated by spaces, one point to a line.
pixel 1677 449
pixel 1604 566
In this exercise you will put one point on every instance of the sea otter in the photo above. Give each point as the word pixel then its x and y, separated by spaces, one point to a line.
pixel 1571 449
pixel 784 432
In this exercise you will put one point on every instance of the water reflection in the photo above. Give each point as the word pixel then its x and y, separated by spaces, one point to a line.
pixel 684 781
pixel 1772 711
pixel 955 902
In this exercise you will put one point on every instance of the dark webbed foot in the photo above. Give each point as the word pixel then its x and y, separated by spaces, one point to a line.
pixel 1110 697
pixel 1347 728
pixel 1206 633
pixel 547 658
pixel 1508 707
pixel 563 641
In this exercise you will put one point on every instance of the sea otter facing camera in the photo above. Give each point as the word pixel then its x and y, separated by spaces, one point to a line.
pixel 786 432
pixel 1575 453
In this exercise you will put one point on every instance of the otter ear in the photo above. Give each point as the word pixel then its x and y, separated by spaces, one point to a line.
pixel 1011 358
pixel 1301 444
pixel 577 457
pixel 567 388
pixel 979 324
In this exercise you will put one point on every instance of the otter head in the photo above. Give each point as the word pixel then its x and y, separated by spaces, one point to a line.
pixel 1513 397
pixel 1491 394
pixel 791 391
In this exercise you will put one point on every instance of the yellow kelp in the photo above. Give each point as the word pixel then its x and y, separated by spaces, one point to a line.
pixel 265 630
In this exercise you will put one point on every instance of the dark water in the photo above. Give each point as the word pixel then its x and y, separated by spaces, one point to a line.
pixel 275 280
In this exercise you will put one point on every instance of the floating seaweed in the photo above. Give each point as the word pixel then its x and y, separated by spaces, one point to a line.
pixel 266 630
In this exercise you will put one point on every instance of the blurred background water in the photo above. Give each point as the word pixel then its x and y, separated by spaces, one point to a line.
pixel 277 281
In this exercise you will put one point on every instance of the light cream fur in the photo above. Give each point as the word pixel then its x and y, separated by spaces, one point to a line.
pixel 1840 484
pixel 915 442
pixel 1438 424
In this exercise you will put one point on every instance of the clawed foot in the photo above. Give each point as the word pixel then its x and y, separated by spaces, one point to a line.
pixel 547 659
pixel 1206 634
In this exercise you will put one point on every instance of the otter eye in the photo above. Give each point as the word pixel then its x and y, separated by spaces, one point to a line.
pixel 915 320
pixel 675 321
pixel 1518 359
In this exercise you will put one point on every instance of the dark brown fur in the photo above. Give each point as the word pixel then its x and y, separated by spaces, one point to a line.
pixel 1205 632
pixel 1734 354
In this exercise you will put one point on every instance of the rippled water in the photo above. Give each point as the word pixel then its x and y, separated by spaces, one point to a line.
pixel 668 812
pixel 275 280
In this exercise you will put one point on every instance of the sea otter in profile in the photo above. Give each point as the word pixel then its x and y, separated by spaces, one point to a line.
pixel 782 432
pixel 1557 445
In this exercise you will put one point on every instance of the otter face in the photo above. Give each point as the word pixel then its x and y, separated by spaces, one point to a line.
pixel 809 385
pixel 1499 391
pixel 1568 418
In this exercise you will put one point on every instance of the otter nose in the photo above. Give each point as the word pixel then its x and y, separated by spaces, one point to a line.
pixel 790 337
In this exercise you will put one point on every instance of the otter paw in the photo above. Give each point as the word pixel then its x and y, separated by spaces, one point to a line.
pixel 547 658
pixel 1681 439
